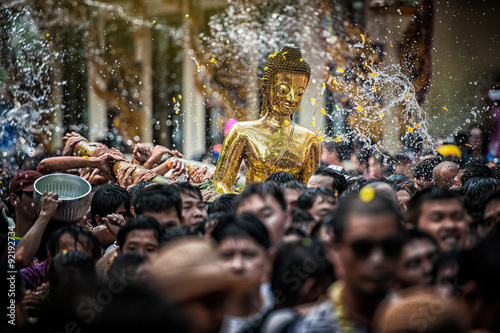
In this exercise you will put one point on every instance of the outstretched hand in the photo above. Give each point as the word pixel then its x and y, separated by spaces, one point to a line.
pixel 49 203
pixel 70 140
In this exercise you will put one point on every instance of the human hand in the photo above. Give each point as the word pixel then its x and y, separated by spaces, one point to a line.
pixel 49 203
pixel 31 303
pixel 177 166
pixel 196 174
pixel 143 175
pixel 210 195
pixel 114 222
pixel 124 175
pixel 209 174
pixel 107 159
pixel 70 140
pixel 141 153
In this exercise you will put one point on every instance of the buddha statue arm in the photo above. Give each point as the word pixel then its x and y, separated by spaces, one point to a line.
pixel 229 161
pixel 313 159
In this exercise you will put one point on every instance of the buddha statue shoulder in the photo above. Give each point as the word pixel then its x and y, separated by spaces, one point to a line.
pixel 274 142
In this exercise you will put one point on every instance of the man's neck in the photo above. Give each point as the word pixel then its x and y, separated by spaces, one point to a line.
pixel 361 307
pixel 245 305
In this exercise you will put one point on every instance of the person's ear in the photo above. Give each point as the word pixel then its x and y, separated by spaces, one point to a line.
pixel 132 210
pixel 472 298
pixel 98 219
pixel 13 199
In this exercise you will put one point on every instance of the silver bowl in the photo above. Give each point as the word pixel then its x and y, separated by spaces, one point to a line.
pixel 74 192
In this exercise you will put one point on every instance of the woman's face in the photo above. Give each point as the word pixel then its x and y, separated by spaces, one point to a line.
pixel 475 138
pixel 286 92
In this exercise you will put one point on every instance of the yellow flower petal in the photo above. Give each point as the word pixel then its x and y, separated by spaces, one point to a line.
pixel 373 74
pixel 358 108
pixel 320 138
pixel 340 70
pixel 313 123
pixel 301 59
pixel 445 108
pixel 324 85
pixel 180 96
pixel 187 16
pixel 410 130
pixel 367 193
pixel 374 88
pixel 47 35
pixel 417 126
pixel 276 154
pixel 338 139
pixel 363 37
pixel 381 116
pixel 337 107
pixel 323 111
pixel 300 107
pixel 174 99
pixel 287 122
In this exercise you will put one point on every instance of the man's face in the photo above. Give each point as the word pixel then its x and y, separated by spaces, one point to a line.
pixel 329 157
pixel 291 197
pixel 417 259
pixel 25 205
pixel 193 210
pixel 245 259
pixel 270 213
pixel 403 199
pixel 369 251
pixel 320 181
pixel 168 219
pixel 322 206
pixel 123 211
pixel 67 243
pixel 143 241
pixel 446 221
pixel 491 217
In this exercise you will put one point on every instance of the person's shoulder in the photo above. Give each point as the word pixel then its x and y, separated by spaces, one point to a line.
pixel 320 318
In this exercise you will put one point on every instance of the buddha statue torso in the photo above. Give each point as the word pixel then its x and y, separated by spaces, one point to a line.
pixel 274 142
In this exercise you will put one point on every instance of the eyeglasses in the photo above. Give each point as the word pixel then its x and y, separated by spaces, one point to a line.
pixel 362 248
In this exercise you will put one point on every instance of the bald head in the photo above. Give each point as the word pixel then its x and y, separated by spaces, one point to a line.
pixel 444 173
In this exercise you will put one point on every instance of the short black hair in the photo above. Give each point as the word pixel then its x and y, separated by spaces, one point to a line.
pixel 245 225
pixel 425 169
pixel 107 199
pixel 476 188
pixel 304 254
pixel 125 265
pixel 211 220
pixel 224 203
pixel 188 189
pixel 339 184
pixel 294 185
pixel 91 241
pixel 263 190
pixel 300 215
pixel 158 198
pixel 404 181
pixel 414 234
pixel 280 177
pixel 140 222
pixel 354 205
pixel 308 197
pixel 341 148
pixel 70 267
pixel 430 194
pixel 176 233
pixel 474 169
pixel 134 190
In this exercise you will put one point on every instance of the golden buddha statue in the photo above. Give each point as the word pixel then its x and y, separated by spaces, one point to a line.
pixel 273 142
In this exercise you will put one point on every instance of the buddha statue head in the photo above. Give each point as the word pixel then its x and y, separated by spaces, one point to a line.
pixel 286 76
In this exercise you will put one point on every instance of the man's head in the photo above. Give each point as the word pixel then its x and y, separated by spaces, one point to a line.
pixel 333 153
pixel 292 191
pixel 491 213
pixel 193 207
pixel 368 235
pixel 418 254
pixel 328 178
pixel 73 238
pixel 471 170
pixel 243 244
pixel 423 173
pixel 21 194
pixel 266 201
pixel 317 201
pixel 444 174
pixel 161 202
pixel 442 214
pixel 280 177
pixel 141 234
pixel 109 199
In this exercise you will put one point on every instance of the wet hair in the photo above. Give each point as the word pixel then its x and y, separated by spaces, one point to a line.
pixel 430 194
pixel 293 185
pixel 295 231
pixel 398 188
pixel 308 197
pixel 341 148
pixel 140 222
pixel 188 189
pixel 280 177
pixel 125 265
pixel 263 190
pixel 354 205
pixel 404 181
pixel 70 267
pixel 300 215
pixel 476 188
pixel 134 190
pixel 176 233
pixel 416 234
pixel 107 199
pixel 158 198
pixel 310 257
pixel 425 169
pixel 474 169
pixel 224 203
pixel 245 225
pixel 482 264
pixel 212 218
pixel 80 235
pixel 339 184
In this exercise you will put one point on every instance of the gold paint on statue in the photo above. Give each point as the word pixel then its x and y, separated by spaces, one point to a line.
pixel 274 142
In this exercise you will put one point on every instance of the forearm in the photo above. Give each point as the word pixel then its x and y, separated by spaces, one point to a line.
pixel 155 157
pixel 162 168
pixel 29 244
pixel 105 237
pixel 63 163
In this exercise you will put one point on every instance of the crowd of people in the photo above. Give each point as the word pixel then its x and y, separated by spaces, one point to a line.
pixel 372 243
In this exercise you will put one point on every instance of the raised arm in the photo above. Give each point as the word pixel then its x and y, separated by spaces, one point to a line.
pixel 230 159
pixel 313 158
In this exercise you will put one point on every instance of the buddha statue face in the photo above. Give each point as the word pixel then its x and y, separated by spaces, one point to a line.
pixel 286 92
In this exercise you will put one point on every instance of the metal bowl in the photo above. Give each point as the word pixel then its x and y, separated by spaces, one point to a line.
pixel 74 192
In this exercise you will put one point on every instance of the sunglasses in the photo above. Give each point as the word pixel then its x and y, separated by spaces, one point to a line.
pixel 362 248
